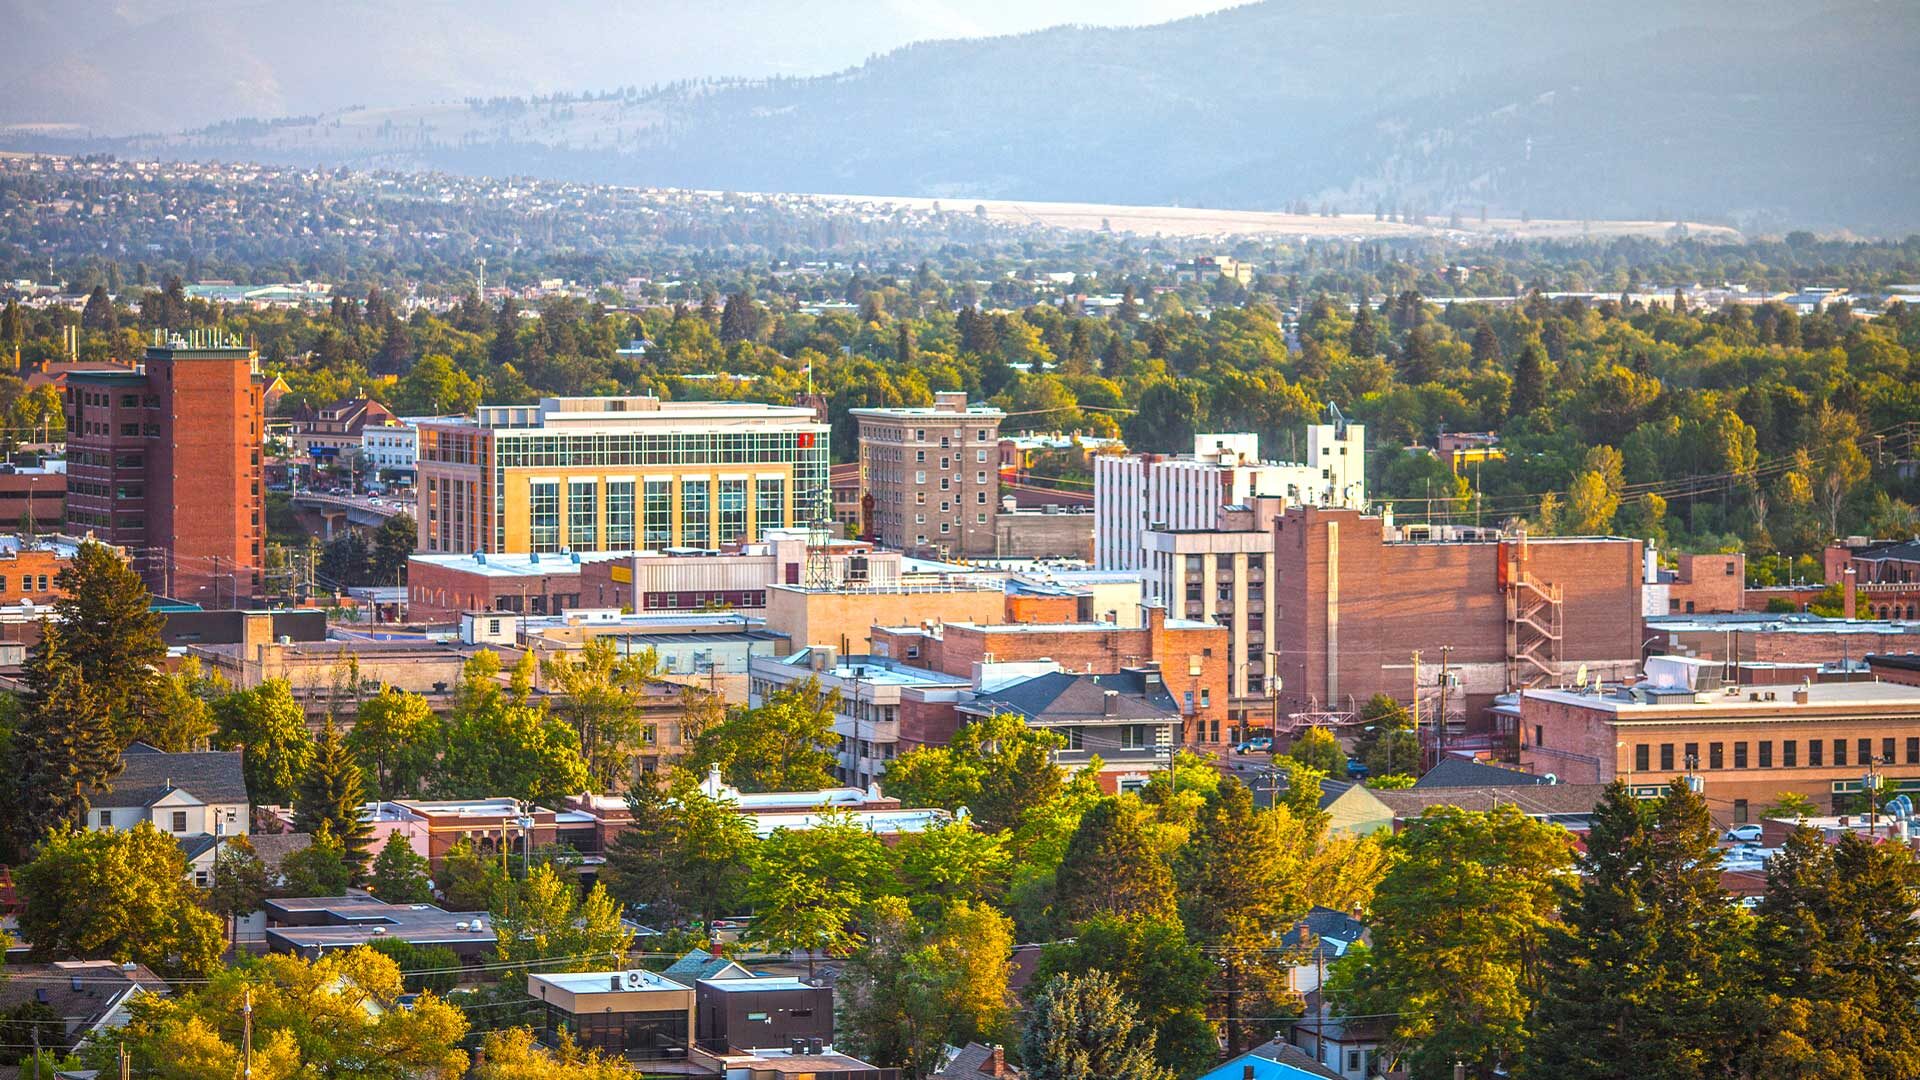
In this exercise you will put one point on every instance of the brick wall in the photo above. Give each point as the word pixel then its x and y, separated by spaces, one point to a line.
pixel 1027 608
pixel 30 575
pixel 1709 584
pixel 437 592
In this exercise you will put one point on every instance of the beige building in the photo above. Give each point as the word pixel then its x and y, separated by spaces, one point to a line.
pixel 1220 576
pixel 934 475
pixel 844 617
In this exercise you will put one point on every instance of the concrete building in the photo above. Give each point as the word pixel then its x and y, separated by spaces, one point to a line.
pixel 1355 600
pixel 164 461
pixel 1135 493
pixel 707 650
pixel 617 473
pixel 310 927
pixel 1747 745
pixel 933 474
pixel 770 1011
pixel 1221 575
pixel 843 617
pixel 1048 593
pixel 636 1014
pixel 878 697
pixel 735 577
pixel 1050 533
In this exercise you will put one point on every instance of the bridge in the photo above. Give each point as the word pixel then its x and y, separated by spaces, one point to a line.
pixel 337 510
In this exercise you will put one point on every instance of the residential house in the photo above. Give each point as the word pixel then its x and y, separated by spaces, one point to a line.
pixel 699 964
pixel 196 798
pixel 1351 1048
pixel 978 1061
pixel 87 997
pixel 1321 937
pixel 1276 1060
pixel 1127 719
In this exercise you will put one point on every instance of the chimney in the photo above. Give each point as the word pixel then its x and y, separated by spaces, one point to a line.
pixel 1846 610
pixel 953 401
pixel 1112 703
pixel 615 980
pixel 1246 1071
pixel 996 1064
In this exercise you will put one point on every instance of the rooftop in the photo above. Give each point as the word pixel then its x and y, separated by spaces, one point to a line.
pixel 147 775
pixel 1797 623
pixel 594 415
pixel 601 982
pixel 878 822
pixel 758 983
pixel 522 565
pixel 1740 703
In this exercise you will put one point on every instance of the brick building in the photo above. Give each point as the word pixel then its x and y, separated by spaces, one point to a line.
pixel 441 586
pixel 164 460
pixel 1192 656
pixel 320 436
pixel 1749 745
pixel 31 572
pixel 1780 639
pixel 934 475
pixel 735 577
pixel 1698 584
pixel 1354 601
pixel 36 493
pixel 845 615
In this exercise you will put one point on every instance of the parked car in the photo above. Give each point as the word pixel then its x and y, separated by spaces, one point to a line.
pixel 1356 769
pixel 1743 834
pixel 1258 745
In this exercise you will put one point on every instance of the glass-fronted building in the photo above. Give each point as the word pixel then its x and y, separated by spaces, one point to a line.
pixel 618 473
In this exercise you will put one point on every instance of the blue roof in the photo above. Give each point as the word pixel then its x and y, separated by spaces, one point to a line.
pixel 1264 1068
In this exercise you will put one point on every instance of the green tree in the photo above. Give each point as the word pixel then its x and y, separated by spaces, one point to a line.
pixel 953 864
pixel 810 888
pixel 512 1054
pixel 112 633
pixel 319 869
pixel 270 728
pixel 1387 745
pixel 997 767
pixel 1457 923
pixel 543 919
pixel 779 745
pixel 1158 970
pixel 469 880
pixel 1080 1028
pixel 239 883
pixel 332 795
pixel 63 748
pixel 390 549
pixel 181 719
pixel 400 874
pixel 1112 867
pixel 1165 420
pixel 396 738
pixel 686 855
pixel 1790 806
pixel 1318 749
pixel 890 1007
pixel 1835 444
pixel 116 895
pixel 498 743
pixel 1530 376
pixel 1235 888
pixel 601 694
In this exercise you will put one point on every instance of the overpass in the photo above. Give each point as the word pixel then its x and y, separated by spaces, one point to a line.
pixel 338 510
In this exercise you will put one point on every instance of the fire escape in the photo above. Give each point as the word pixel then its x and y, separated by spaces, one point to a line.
pixel 1533 621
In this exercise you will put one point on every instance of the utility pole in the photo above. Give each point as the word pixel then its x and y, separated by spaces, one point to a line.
pixel 1416 693
pixel 36 1052
pixel 1440 722
pixel 246 1035
pixel 126 1064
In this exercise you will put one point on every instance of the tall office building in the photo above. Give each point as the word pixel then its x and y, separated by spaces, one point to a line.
pixel 617 473
pixel 934 474
pixel 1137 493
pixel 164 460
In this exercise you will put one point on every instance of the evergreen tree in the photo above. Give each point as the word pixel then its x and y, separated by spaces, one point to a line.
pixel 1079 1027
pixel 1486 345
pixel 64 747
pixel 99 315
pixel 111 632
pixel 400 874
pixel 1529 380
pixel 1233 891
pixel 1157 969
pixel 331 794
pixel 319 869
pixel 1111 867
pixel 1363 339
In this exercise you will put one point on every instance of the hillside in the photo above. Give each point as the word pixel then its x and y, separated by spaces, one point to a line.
pixel 1786 114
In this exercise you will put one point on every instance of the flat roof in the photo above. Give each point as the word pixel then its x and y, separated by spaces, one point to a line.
pixel 518 565
pixel 878 822
pixel 1778 624
pixel 1819 696
pixel 601 982
pixel 757 983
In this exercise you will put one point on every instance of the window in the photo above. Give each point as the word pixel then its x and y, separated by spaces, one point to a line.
pixel 920 476
pixel 1913 745
pixel 658 524
pixel 106 819
pixel 920 457
pixel 1642 757
pixel 1739 755
pixel 1716 756
pixel 733 510
pixel 693 513
pixel 1790 753
pixel 1739 811
pixel 1539 735
pixel 179 821
pixel 980 456
pixel 583 515
pixel 544 513
pixel 1691 757
pixel 1075 739
pixel 1133 736
pixel 1886 751
pixel 619 514
pixel 1839 752
pixel 1666 756
pixel 1766 753
pixel 769 505
pixel 1816 753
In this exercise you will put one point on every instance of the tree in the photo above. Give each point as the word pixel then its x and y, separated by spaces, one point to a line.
pixel 116 895
pixel 1835 444
pixel 1388 745
pixel 468 880
pixel 601 695
pixel 1318 749
pixel 952 864
pixel 98 315
pixel 1530 374
pixel 512 1054
pixel 270 728
pixel 779 745
pixel 181 720
pixel 111 632
pixel 968 958
pixel 997 767
pixel 686 855
pixel 1165 420
pixel 400 874
pixel 1363 338
pixel 390 550
pixel 1111 867
pixel 543 919
pixel 1081 1028
pixel 1792 806
pixel 239 883
pixel 1838 955
pixel 1157 970
pixel 63 748
pixel 810 887
pixel 338 1015
pixel 331 795
pixel 1234 890
pixel 891 1011
pixel 396 739
pixel 1456 924
pixel 499 744
pixel 319 869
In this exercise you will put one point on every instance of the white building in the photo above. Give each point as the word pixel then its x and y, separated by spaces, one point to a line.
pixel 198 799
pixel 1140 492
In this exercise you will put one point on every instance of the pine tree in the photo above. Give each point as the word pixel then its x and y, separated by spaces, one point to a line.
pixel 1111 868
pixel 64 746
pixel 1486 345
pixel 1529 380
pixel 1080 1027
pixel 1232 893
pixel 332 794
pixel 400 874
pixel 1363 340
pixel 111 633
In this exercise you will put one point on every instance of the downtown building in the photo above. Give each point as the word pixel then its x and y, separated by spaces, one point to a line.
pixel 933 475
pixel 617 474
pixel 163 460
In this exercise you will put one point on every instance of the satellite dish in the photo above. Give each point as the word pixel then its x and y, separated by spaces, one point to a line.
pixel 1551 779
pixel 1580 677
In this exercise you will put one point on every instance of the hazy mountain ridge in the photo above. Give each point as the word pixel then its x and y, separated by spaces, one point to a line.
pixel 1774 114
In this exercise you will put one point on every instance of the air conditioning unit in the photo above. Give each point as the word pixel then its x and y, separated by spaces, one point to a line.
pixel 636 979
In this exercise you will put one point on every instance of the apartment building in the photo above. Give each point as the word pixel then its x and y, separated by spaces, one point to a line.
pixel 1220 575
pixel 933 475
pixel 164 460
pixel 617 473
pixel 1135 493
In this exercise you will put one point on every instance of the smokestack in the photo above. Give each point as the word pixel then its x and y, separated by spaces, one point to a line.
pixel 1847 608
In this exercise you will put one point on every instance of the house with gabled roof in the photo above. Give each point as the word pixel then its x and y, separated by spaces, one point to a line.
pixel 197 798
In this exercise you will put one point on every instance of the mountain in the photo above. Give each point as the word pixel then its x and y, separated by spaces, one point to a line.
pixel 1768 113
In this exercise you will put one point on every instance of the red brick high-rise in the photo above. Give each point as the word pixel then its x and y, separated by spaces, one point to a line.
pixel 165 461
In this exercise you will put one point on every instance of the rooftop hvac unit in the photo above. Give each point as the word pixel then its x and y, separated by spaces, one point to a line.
pixel 636 979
